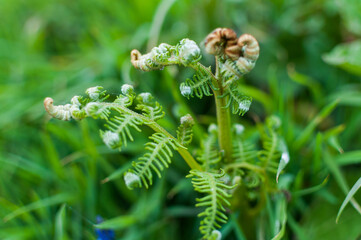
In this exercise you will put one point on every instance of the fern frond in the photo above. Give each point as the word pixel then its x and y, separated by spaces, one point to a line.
pixel 243 151
pixel 238 102
pixel 154 113
pixel 121 125
pixel 185 53
pixel 151 109
pixel 185 130
pixel 199 85
pixel 214 202
pixel 209 154
pixel 270 155
pixel 127 97
pixel 158 158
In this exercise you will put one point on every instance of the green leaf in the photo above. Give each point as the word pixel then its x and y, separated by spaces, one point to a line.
pixel 348 198
pixel 307 133
pixel 120 222
pixel 285 157
pixel 53 200
pixel 340 179
pixel 346 56
pixel 350 14
pixel 352 157
pixel 281 217
pixel 60 223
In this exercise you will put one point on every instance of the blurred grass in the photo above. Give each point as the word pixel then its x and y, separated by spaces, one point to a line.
pixel 59 48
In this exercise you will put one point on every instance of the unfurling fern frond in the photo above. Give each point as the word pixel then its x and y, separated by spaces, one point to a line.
pixel 270 155
pixel 237 101
pixel 209 154
pixel 121 124
pixel 243 151
pixel 200 84
pixel 150 109
pixel 215 200
pixel 158 158
pixel 185 130
pixel 185 53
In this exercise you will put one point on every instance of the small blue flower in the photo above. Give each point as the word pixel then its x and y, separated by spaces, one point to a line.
pixel 104 234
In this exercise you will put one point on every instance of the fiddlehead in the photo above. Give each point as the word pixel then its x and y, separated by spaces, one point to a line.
pixel 185 53
pixel 185 130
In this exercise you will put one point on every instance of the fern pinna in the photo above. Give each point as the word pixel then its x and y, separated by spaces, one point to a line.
pixel 215 201
pixel 223 147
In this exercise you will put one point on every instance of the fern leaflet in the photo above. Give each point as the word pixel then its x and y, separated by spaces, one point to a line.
pixel 120 125
pixel 270 154
pixel 200 84
pixel 185 130
pixel 154 113
pixel 243 151
pixel 158 157
pixel 237 101
pixel 209 154
pixel 215 200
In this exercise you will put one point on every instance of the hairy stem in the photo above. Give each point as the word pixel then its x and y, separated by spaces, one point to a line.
pixel 188 158
pixel 223 119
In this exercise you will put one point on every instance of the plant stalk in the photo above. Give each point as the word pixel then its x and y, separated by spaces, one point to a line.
pixel 223 119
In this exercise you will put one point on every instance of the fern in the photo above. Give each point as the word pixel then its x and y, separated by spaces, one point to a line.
pixel 158 158
pixel 185 130
pixel 199 85
pixel 238 102
pixel 121 125
pixel 270 154
pixel 209 154
pixel 215 200
pixel 154 112
pixel 243 151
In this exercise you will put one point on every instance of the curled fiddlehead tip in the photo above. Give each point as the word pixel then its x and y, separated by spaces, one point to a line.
pixel 127 89
pixel 189 52
pixel 186 53
pixel 244 105
pixel 213 128
pixel 132 180
pixel 48 104
pixel 220 41
pixel 145 97
pixel 94 92
pixel 249 46
pixel 216 235
pixel 238 129
pixel 111 139
pixel 187 119
pixel 61 112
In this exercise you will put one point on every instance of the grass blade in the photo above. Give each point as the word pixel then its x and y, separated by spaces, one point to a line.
pixel 348 198
pixel 53 200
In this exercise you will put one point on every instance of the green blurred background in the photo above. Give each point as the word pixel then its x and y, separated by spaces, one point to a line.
pixel 310 56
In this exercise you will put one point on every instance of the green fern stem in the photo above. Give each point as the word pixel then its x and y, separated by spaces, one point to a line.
pixel 188 158
pixel 223 119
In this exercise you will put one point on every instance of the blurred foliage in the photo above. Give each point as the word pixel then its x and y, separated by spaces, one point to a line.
pixel 58 48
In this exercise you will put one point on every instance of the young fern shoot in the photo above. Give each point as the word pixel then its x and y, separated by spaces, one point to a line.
pixel 220 149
